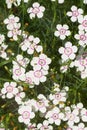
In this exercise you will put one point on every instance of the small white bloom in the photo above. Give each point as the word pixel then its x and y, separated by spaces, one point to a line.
pixel 20 95
pixel 41 104
pixel 28 79
pixel 41 62
pixel 21 61
pixel 11 21
pixel 58 97
pixel 54 116
pixel 83 23
pixel 18 73
pixel 2 38
pixel 44 126
pixel 14 32
pixel 36 10
pixel 68 52
pixel 26 114
pixel 9 89
pixel 62 31
pixel 71 116
pixel 10 2
pixel 3 54
pixel 80 126
pixel 64 68
pixel 30 45
pixel 75 13
pixel 82 37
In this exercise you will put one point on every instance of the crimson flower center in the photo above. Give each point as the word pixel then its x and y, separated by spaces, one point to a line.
pixel 36 10
pixel 82 37
pixel 29 80
pixel 26 115
pixel 62 31
pixel 84 23
pixel 83 62
pixel 40 104
pixel 55 116
pixel 18 72
pixel 9 88
pixel 38 74
pixel 42 62
pixel 58 96
pixel 75 13
pixel 68 51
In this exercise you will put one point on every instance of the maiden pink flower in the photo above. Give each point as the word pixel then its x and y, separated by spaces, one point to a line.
pixel 82 37
pixel 36 10
pixel 9 90
pixel 75 13
pixel 68 52
pixel 41 62
pixel 26 114
pixel 62 31
pixel 54 116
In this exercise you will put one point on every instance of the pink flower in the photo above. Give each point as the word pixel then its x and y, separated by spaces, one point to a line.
pixel 41 62
pixel 75 13
pixel 36 10
pixel 9 90
pixel 68 52
pixel 62 31
pixel 26 114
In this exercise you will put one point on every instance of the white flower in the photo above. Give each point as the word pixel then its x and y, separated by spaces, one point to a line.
pixel 30 44
pixel 10 2
pixel 9 89
pixel 2 38
pixel 85 1
pixel 64 68
pixel 41 104
pixel 68 52
pixel 28 79
pixel 14 32
pixel 20 95
pixel 54 116
pixel 75 13
pixel 62 31
pixel 84 115
pixel 3 54
pixel 60 1
pixel 26 114
pixel 80 126
pixel 38 76
pixel 83 23
pixel 82 37
pixel 58 97
pixel 41 62
pixel 71 117
pixel 81 64
pixel 36 10
pixel 18 73
pixel 11 21
pixel 21 61
pixel 84 74
pixel 44 126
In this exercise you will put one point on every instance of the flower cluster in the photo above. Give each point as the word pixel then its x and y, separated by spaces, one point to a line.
pixel 13 26
pixel 35 95
pixel 74 55
pixel 3 47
